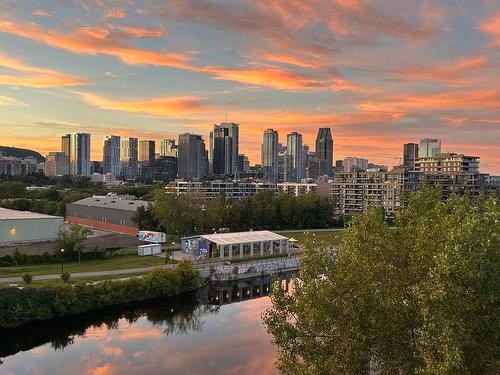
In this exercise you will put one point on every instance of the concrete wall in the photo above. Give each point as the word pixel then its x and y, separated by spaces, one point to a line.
pixel 13 231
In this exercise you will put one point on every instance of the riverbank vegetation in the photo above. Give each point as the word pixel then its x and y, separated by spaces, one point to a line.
pixel 422 298
pixel 21 306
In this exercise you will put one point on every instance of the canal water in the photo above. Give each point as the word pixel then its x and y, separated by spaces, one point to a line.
pixel 217 331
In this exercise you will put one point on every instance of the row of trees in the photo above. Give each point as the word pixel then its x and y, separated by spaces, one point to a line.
pixel 184 215
pixel 423 298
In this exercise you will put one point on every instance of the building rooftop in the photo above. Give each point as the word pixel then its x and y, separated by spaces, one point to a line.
pixel 112 201
pixel 243 237
pixel 7 214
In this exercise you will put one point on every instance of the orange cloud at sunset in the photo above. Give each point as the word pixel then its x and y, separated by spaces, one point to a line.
pixel 32 76
pixel 91 42
pixel 492 27
pixel 168 106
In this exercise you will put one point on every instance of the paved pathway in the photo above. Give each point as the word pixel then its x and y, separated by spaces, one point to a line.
pixel 15 279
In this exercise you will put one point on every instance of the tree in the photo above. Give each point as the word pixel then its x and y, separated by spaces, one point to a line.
pixel 419 299
pixel 72 240
pixel 144 218
pixel 27 278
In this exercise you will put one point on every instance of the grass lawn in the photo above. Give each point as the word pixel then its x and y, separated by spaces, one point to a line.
pixel 113 263
pixel 43 283
pixel 331 237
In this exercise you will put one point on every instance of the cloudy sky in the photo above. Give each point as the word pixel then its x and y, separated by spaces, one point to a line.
pixel 379 73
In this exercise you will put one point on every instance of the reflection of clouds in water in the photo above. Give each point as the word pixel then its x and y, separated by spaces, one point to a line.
pixel 196 340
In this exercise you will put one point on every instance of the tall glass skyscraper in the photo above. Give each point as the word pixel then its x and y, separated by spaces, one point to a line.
pixel 111 155
pixel 129 154
pixel 294 153
pixel 270 154
pixel 324 151
pixel 76 147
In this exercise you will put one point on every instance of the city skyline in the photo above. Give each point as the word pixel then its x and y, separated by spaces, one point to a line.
pixel 153 70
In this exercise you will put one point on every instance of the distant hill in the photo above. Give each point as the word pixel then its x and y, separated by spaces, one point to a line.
pixel 21 153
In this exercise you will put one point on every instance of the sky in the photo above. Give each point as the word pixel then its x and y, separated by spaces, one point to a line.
pixel 379 73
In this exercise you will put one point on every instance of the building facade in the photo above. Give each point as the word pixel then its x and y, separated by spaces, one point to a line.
pixel 192 161
pixel 295 162
pixel 109 212
pixel 353 163
pixel 168 148
pixel 224 149
pixel 111 155
pixel 429 147
pixel 129 156
pixel 410 156
pixel 324 152
pixel 269 151
pixel 76 147
pixel 214 189
pixel 448 163
pixel 56 164
pixel 147 158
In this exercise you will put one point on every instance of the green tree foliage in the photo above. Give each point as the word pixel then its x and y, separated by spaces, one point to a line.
pixel 184 215
pixel 21 306
pixel 27 278
pixel 12 189
pixel 65 276
pixel 72 241
pixel 419 299
pixel 144 218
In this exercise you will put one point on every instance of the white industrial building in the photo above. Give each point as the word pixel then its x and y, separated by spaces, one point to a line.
pixel 24 227
pixel 235 245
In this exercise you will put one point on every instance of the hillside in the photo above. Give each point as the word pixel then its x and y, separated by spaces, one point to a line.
pixel 21 153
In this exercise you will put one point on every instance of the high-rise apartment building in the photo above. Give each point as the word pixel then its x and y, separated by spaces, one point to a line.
pixel 224 149
pixel 324 151
pixel 129 156
pixel 111 155
pixel 410 155
pixel 146 158
pixel 295 155
pixel 192 161
pixel 270 154
pixel 56 164
pixel 168 148
pixel 448 163
pixel 76 147
pixel 429 148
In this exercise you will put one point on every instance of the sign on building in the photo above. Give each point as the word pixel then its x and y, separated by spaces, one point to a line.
pixel 150 236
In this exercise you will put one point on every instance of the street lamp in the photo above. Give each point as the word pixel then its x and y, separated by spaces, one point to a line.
pixel 62 261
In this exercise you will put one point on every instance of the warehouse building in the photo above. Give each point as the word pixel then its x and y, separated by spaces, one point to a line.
pixel 24 227
pixel 109 212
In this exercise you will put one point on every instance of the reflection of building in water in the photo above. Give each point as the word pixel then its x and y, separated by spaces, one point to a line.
pixel 222 293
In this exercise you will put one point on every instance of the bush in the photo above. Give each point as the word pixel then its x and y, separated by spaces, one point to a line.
pixel 27 278
pixel 20 306
pixel 65 276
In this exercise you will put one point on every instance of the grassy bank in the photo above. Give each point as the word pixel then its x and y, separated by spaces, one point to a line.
pixel 21 306
pixel 331 237
pixel 116 262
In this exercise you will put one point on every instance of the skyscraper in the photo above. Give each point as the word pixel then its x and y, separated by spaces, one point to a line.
pixel 168 148
pixel 429 148
pixel 410 155
pixel 324 151
pixel 192 161
pixel 224 148
pixel 294 153
pixel 146 158
pixel 76 147
pixel 129 158
pixel 270 154
pixel 111 155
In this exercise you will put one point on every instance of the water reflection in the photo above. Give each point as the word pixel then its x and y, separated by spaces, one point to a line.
pixel 195 334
